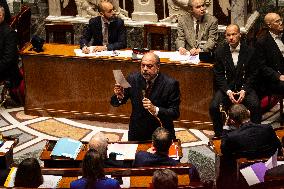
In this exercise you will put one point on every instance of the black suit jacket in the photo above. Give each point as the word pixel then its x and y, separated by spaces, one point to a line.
pixel 9 55
pixel 144 159
pixel 250 141
pixel 270 60
pixel 229 77
pixel 165 95
pixel 116 34
pixel 277 171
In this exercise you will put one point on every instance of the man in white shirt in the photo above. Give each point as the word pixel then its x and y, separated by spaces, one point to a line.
pixel 197 30
pixel 270 51
pixel 234 78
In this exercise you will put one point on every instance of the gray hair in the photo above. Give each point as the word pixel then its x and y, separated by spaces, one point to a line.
pixel 99 142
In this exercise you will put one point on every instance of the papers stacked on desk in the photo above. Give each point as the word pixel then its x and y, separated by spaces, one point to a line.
pixel 123 151
pixel 67 147
pixel 6 146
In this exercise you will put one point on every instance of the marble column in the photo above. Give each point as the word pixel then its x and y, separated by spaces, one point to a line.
pixel 239 12
pixel 144 10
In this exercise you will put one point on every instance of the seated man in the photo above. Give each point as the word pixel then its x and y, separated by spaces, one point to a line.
pixel 234 77
pixel 99 142
pixel 249 140
pixel 157 155
pixel 108 32
pixel 197 30
pixel 9 57
pixel 165 178
pixel 270 53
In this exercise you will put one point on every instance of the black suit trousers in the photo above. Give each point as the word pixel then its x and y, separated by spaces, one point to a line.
pixel 251 101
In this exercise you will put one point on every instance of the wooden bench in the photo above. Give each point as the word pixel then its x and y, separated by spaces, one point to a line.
pixel 139 177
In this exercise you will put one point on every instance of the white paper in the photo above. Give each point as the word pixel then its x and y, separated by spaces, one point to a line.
pixel 50 181
pixel 125 54
pixel 123 151
pixel 125 182
pixel 185 58
pixel 249 175
pixel 120 79
pixel 6 146
pixel 79 52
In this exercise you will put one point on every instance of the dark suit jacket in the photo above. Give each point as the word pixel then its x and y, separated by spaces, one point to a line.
pixel 165 95
pixel 250 141
pixel 270 60
pixel 116 34
pixel 274 172
pixel 144 159
pixel 9 55
pixel 229 77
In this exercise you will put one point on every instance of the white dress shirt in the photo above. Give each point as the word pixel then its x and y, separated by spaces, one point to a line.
pixel 235 53
pixel 278 41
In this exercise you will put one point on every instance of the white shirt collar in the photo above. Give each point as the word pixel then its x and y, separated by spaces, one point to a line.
pixel 237 49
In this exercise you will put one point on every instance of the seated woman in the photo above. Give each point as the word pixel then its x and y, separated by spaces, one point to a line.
pixel 28 174
pixel 93 174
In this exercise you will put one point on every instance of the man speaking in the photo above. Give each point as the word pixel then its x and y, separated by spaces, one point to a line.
pixel 155 99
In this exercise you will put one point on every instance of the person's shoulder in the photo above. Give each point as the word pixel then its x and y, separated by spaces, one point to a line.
pixel 95 19
pixel 185 17
pixel 78 183
pixel 109 181
pixel 168 79
pixel 210 18
pixel 119 20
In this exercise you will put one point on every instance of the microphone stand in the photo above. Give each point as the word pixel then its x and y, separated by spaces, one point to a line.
pixel 161 125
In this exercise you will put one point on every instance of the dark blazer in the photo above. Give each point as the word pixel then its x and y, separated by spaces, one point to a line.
pixel 229 77
pixel 116 34
pixel 250 141
pixel 9 69
pixel 144 159
pixel 165 95
pixel 277 171
pixel 270 60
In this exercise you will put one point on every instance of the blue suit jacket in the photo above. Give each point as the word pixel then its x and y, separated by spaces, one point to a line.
pixel 105 183
pixel 116 34
pixel 165 95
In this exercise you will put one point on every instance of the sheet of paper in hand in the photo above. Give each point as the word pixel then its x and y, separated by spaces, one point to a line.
pixel 120 79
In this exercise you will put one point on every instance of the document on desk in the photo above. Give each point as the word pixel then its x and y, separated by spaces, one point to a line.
pixel 120 79
pixel 6 146
pixel 177 57
pixel 123 151
pixel 50 181
pixel 79 52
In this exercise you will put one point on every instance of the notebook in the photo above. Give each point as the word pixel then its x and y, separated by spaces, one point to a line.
pixel 67 147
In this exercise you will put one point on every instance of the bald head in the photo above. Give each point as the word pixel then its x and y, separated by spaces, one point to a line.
pixel 274 23
pixel 106 10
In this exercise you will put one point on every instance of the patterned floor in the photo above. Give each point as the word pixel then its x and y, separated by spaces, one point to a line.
pixel 34 131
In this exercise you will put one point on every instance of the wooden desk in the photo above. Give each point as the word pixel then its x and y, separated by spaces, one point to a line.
pixel 139 177
pixel 57 83
pixel 62 162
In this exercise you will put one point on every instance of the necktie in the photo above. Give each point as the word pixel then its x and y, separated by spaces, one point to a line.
pixel 197 29
pixel 105 34
pixel 148 89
